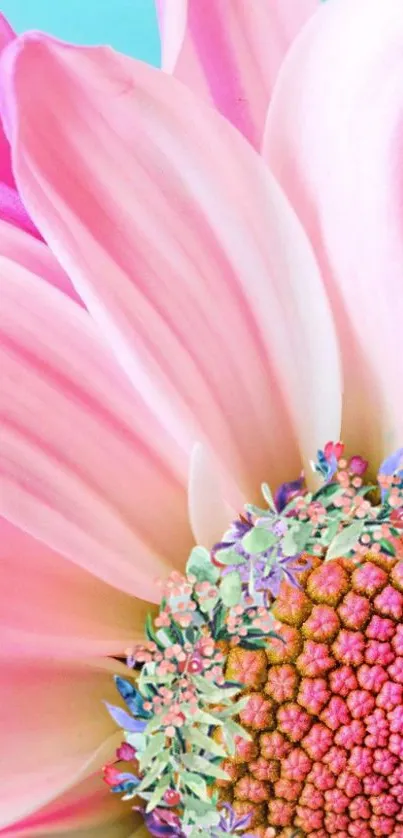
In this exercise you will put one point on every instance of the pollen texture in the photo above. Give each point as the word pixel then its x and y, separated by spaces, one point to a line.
pixel 325 709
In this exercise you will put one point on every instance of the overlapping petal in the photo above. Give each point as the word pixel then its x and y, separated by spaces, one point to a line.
pixel 184 250
pixel 11 206
pixel 84 465
pixel 230 52
pixel 209 511
pixel 50 606
pixel 33 254
pixel 6 176
pixel 55 730
pixel 88 810
pixel 334 138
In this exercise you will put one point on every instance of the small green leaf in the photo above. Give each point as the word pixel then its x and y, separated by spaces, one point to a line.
pixel 220 613
pixel 204 718
pixel 196 784
pixel 206 743
pixel 150 631
pixel 155 722
pixel 199 807
pixel 164 638
pixel 327 492
pixel 155 773
pixel 158 793
pixel 199 564
pixel 137 740
pixel 160 679
pixel 253 644
pixel 208 605
pixel 257 540
pixel 155 746
pixel 302 535
pixel 236 730
pixel 229 741
pixel 212 692
pixel 387 547
pixel 204 766
pixel 211 818
pixel 231 588
pixel 229 556
pixel 288 542
pixel 366 490
pixel 267 494
pixel 345 540
pixel 146 671
pixel 330 533
pixel 236 708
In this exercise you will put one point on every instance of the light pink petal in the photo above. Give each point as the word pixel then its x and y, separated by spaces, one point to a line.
pixel 209 511
pixel 87 810
pixel 54 728
pixel 50 606
pixel 334 140
pixel 35 255
pixel 230 51
pixel 84 465
pixel 185 252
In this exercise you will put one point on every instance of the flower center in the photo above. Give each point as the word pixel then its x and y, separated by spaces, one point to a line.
pixel 270 695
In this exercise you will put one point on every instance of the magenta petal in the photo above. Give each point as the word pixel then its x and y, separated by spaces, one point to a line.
pixel 13 210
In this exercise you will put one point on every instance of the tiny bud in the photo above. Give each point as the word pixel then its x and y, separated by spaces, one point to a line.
pixel 172 797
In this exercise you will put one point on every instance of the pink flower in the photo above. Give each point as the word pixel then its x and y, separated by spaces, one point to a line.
pixel 357 465
pixel 111 775
pixel 201 312
pixel 125 752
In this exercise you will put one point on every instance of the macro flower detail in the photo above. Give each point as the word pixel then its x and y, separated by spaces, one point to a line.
pixel 200 285
pixel 297 733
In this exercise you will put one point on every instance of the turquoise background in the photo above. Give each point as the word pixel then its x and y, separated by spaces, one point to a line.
pixel 128 25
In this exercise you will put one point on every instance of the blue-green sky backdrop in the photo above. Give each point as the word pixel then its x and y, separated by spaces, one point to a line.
pixel 128 25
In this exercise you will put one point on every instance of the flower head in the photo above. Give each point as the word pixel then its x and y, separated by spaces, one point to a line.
pixel 192 288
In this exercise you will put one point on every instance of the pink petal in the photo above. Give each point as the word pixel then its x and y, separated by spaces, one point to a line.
pixel 27 251
pixel 85 467
pixel 11 206
pixel 54 729
pixel 334 140
pixel 209 511
pixel 185 252
pixel 230 52
pixel 6 175
pixel 13 210
pixel 50 606
pixel 87 810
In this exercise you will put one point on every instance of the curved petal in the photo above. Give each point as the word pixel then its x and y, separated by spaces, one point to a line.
pixel 50 606
pixel 84 465
pixel 230 52
pixel 13 210
pixel 27 251
pixel 334 139
pixel 54 727
pixel 87 810
pixel 209 511
pixel 11 206
pixel 185 252
pixel 6 175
